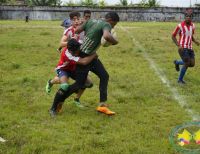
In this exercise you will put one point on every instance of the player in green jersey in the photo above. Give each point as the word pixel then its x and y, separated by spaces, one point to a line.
pixel 94 30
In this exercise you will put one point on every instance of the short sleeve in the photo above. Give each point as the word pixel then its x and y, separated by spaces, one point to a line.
pixel 107 26
pixel 176 31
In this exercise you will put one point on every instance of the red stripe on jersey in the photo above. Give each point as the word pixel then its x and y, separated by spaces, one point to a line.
pixel 67 61
pixel 185 34
pixel 70 33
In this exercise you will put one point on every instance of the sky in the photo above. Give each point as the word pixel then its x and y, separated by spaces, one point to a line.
pixel 170 3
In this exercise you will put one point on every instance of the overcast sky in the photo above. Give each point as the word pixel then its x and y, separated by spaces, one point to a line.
pixel 173 3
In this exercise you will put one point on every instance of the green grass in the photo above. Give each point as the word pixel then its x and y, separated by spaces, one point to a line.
pixel 146 109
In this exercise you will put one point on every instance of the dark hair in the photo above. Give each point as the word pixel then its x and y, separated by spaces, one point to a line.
pixel 87 11
pixel 73 45
pixel 189 12
pixel 74 14
pixel 113 16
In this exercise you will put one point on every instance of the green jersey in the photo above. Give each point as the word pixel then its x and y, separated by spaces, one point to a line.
pixel 93 33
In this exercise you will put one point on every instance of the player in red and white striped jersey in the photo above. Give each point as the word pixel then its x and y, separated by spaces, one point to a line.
pixel 66 69
pixel 70 32
pixel 185 30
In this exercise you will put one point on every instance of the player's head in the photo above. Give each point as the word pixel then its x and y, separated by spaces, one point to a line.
pixel 86 15
pixel 112 18
pixel 66 23
pixel 75 17
pixel 188 15
pixel 73 46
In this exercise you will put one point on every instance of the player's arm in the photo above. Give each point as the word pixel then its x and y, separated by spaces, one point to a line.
pixel 174 36
pixel 108 37
pixel 175 40
pixel 176 31
pixel 195 41
pixel 63 41
pixel 86 60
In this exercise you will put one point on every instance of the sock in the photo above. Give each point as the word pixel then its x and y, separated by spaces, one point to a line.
pixel 182 73
pixel 59 97
pixel 180 62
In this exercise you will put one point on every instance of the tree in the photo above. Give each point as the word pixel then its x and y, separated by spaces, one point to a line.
pixel 102 3
pixel 123 2
pixel 153 3
pixel 88 3
pixel 3 1
pixel 149 3
pixel 44 2
pixel 70 3
pixel 197 5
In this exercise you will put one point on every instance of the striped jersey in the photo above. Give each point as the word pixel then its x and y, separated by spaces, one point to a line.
pixel 185 34
pixel 67 61
pixel 70 33
pixel 93 32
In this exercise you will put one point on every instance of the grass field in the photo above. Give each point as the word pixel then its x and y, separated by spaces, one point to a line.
pixel 143 91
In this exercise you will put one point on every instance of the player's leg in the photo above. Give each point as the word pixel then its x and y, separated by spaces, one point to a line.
pixel 99 70
pixel 51 82
pixel 177 63
pixel 61 95
pixel 192 58
pixel 186 59
pixel 63 78
pixel 88 84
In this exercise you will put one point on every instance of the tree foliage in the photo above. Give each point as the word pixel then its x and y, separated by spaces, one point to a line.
pixel 45 2
pixel 123 2
pixel 102 3
pixel 88 3
pixel 149 3
pixel 2 1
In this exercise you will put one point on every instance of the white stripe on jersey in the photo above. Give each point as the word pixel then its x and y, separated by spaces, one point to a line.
pixel 71 57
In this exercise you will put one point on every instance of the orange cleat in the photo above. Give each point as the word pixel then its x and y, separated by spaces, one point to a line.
pixel 104 109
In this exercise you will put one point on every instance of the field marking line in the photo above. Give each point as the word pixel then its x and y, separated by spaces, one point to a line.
pixel 181 101
pixel 2 140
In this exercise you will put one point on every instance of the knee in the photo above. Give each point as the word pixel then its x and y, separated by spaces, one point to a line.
pixel 105 76
pixel 192 65
pixel 64 86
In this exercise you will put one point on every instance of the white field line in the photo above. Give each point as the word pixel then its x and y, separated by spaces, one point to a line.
pixel 181 101
pixel 2 140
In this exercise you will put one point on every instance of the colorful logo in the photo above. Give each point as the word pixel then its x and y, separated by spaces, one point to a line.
pixel 185 138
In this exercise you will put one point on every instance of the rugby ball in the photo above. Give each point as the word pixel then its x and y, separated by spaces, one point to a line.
pixel 105 43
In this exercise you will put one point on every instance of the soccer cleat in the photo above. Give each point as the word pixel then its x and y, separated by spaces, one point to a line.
pixel 48 87
pixel 78 103
pixel 105 110
pixel 176 66
pixel 52 113
pixel 181 82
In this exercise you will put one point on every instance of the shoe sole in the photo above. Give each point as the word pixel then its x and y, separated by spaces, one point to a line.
pixel 106 113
